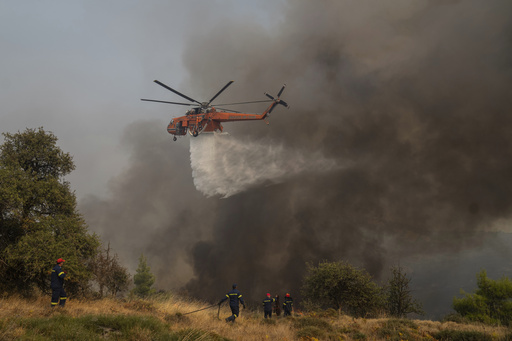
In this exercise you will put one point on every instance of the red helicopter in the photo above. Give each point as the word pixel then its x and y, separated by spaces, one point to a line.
pixel 206 118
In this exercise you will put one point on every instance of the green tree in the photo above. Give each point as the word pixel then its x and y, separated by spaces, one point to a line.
pixel 143 279
pixel 39 221
pixel 399 299
pixel 490 303
pixel 341 286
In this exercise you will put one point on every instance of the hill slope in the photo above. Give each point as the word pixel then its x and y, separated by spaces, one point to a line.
pixel 167 319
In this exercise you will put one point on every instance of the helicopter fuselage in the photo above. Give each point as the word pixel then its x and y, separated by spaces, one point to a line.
pixel 209 121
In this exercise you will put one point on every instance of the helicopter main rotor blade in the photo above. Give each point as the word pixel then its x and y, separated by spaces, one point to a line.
pixel 218 93
pixel 281 91
pixel 154 100
pixel 176 92
pixel 269 96
pixel 267 100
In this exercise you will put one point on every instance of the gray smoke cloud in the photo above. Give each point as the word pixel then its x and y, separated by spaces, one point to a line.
pixel 397 146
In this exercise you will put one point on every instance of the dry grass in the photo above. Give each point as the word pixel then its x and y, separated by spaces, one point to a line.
pixel 171 312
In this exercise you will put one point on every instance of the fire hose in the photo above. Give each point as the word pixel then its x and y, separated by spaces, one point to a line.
pixel 195 311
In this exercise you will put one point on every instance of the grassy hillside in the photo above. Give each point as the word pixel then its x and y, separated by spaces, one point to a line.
pixel 164 319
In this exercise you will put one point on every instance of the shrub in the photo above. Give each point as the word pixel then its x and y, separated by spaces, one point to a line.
pixel 507 337
pixel 397 329
pixel 490 303
pixel 461 335
pixel 457 318
pixel 312 322
pixel 341 286
pixel 359 336
pixel 329 313
pixel 58 328
pixel 311 332
pixel 100 327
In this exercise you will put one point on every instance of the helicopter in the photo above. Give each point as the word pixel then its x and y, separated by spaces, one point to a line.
pixel 206 118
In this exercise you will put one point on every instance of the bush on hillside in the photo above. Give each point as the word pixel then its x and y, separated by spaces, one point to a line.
pixel 341 286
pixel 491 303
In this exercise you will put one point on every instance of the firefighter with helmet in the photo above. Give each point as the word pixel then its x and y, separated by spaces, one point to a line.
pixel 288 305
pixel 267 306
pixel 234 297
pixel 57 284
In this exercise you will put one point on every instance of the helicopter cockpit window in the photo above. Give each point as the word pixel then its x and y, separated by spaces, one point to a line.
pixel 172 121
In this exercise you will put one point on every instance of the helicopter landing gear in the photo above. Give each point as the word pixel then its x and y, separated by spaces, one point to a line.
pixel 175 138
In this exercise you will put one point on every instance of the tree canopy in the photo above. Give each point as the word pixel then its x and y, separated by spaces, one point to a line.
pixel 341 286
pixel 490 303
pixel 39 221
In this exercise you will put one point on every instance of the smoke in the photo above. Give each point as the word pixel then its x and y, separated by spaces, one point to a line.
pixel 397 145
pixel 224 166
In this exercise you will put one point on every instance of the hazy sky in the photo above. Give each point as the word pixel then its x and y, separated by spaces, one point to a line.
pixel 79 69
pixel 396 148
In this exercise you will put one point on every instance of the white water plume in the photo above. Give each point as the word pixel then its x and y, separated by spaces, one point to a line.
pixel 224 166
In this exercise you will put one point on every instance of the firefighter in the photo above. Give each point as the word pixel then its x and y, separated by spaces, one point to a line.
pixel 57 284
pixel 288 305
pixel 234 297
pixel 267 306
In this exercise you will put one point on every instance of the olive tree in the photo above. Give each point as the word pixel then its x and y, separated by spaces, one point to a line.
pixel 342 286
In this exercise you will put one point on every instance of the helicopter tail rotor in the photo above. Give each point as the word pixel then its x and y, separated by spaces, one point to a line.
pixel 277 100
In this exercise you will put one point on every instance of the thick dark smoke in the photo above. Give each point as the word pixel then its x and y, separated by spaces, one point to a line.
pixel 413 98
